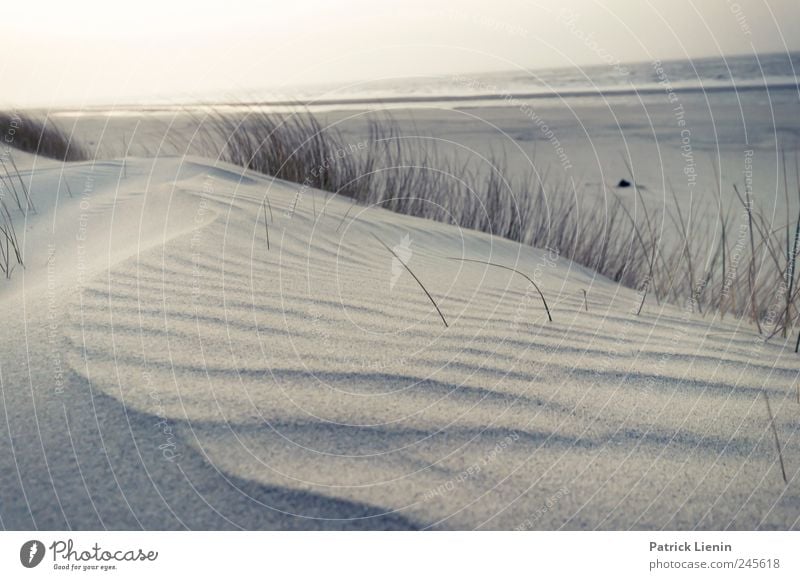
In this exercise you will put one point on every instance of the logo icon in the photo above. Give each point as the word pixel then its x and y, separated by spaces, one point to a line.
pixel 31 553
pixel 403 251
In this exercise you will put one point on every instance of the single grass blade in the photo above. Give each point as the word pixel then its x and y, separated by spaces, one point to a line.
pixel 752 265
pixel 344 217
pixel 644 297
pixel 266 225
pixel 421 285
pixel 269 205
pixel 775 434
pixel 544 302
pixel 28 200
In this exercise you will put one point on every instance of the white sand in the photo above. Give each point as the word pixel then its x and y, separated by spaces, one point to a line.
pixel 162 369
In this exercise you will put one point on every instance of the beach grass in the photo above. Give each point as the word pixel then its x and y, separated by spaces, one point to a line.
pixel 40 137
pixel 680 253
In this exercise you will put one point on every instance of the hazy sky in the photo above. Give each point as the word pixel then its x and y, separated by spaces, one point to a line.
pixel 89 51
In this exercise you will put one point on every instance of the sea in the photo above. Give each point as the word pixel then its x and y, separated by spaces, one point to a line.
pixel 725 75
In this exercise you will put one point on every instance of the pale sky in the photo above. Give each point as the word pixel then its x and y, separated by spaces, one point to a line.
pixel 101 51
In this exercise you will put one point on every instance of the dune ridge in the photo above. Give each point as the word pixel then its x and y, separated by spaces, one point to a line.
pixel 207 381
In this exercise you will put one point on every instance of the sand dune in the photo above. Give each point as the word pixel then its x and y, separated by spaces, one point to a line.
pixel 162 368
